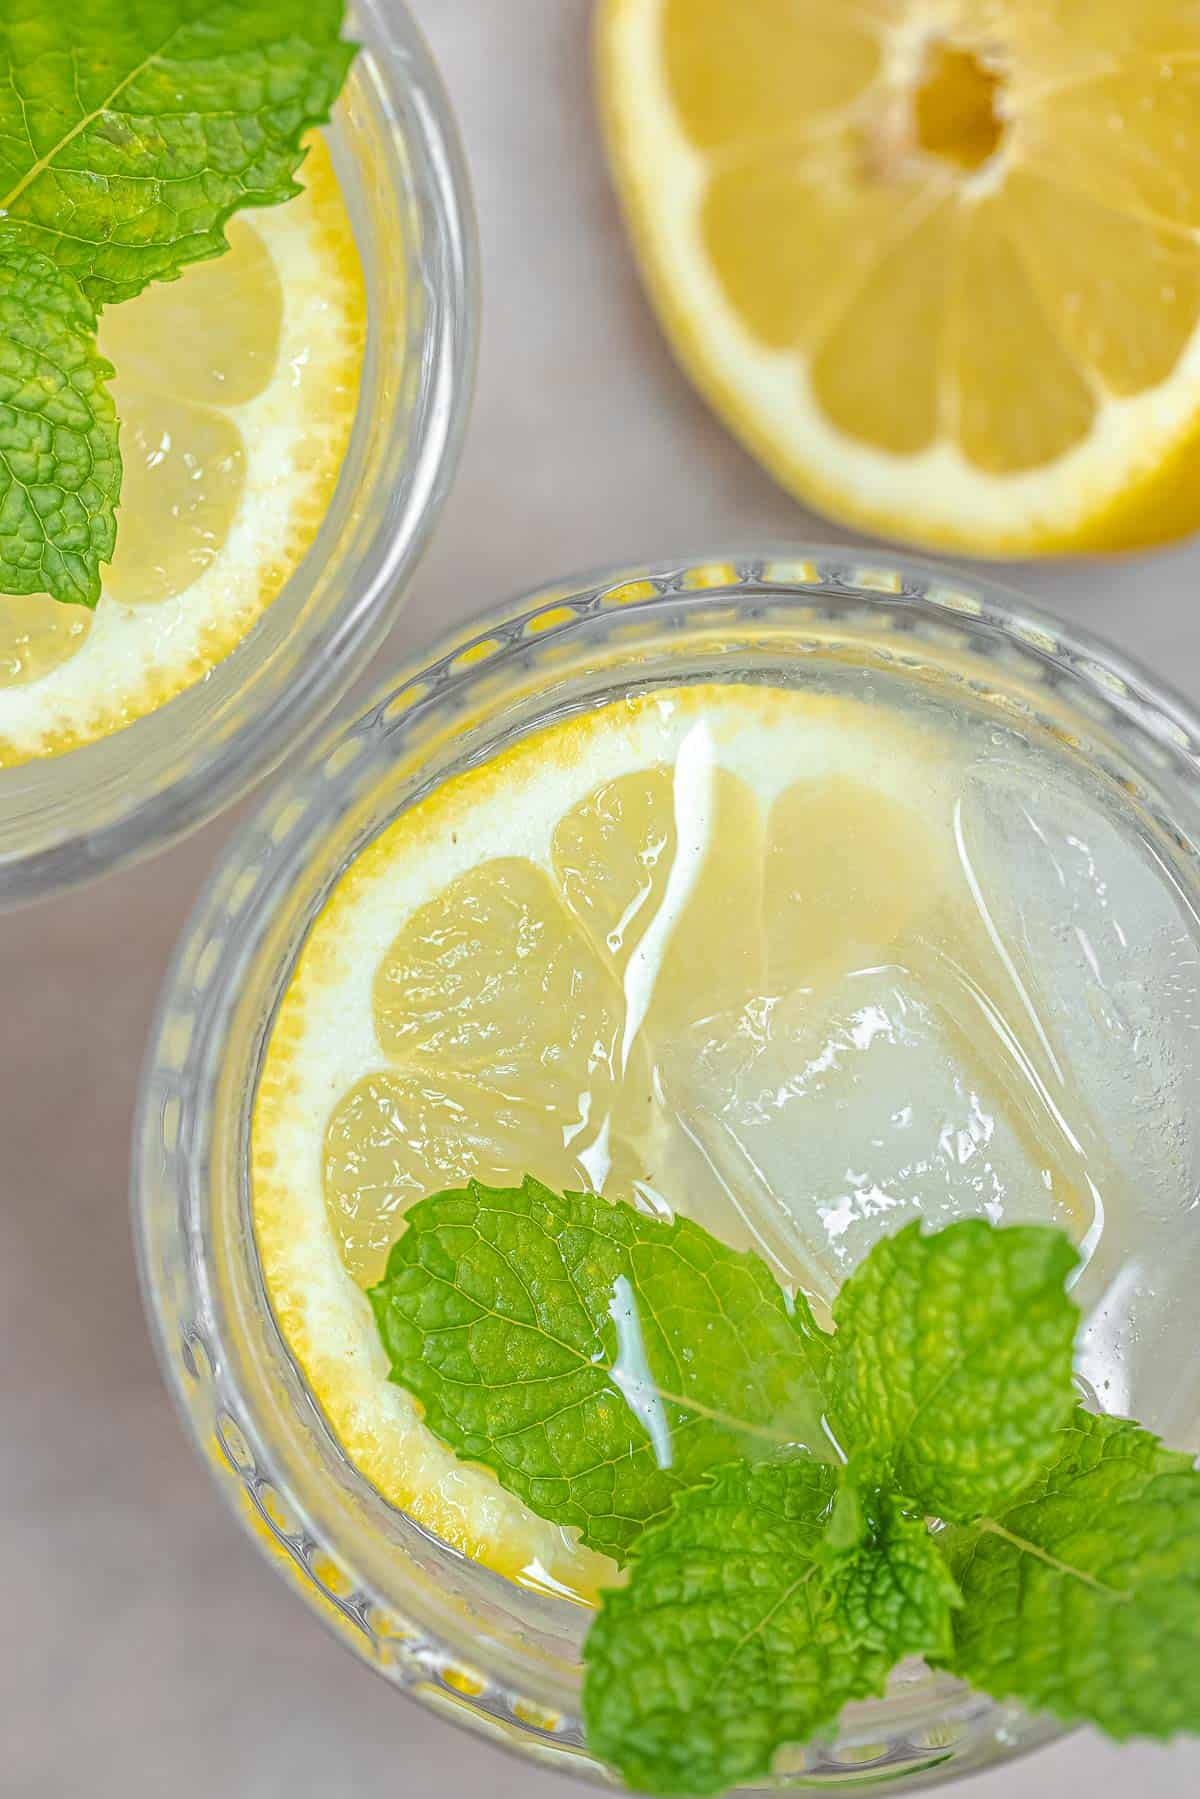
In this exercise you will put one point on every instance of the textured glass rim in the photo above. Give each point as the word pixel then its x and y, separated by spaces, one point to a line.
pixel 65 819
pixel 218 944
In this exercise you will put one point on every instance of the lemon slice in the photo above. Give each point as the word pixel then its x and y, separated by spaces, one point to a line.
pixel 561 962
pixel 936 262
pixel 236 388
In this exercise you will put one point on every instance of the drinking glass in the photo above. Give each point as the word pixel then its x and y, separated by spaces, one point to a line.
pixel 395 149
pixel 498 1658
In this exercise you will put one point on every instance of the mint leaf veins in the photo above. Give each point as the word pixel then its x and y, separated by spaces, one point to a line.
pixel 60 469
pixel 1083 1597
pixel 724 1645
pixel 129 135
pixel 599 1361
pixel 894 1591
pixel 952 1369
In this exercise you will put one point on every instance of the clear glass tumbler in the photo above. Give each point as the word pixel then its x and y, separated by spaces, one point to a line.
pixel 498 1658
pixel 396 151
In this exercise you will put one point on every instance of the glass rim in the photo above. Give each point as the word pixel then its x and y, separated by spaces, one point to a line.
pixel 436 1664
pixel 813 566
pixel 64 819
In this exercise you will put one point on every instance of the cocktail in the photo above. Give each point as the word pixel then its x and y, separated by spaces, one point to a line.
pixel 784 903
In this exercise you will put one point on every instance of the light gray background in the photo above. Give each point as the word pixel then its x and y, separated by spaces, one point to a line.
pixel 144 1648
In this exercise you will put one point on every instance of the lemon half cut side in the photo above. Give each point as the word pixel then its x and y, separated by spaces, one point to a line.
pixel 935 262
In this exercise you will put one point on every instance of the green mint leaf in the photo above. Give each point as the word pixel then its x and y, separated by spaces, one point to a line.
pixel 130 132
pixel 952 1364
pixel 1083 1598
pixel 894 1591
pixel 723 1646
pixel 60 465
pixel 598 1361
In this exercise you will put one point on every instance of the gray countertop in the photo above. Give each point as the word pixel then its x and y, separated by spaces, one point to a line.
pixel 146 1649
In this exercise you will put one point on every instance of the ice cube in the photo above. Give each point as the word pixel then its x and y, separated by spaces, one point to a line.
pixel 1095 954
pixel 847 1110
pixel 1096 947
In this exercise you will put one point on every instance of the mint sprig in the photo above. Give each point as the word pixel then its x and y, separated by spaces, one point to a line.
pixel 129 135
pixel 597 1360
pixel 765 1592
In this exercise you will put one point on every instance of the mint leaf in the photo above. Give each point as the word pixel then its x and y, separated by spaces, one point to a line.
pixel 1083 1598
pixel 130 132
pixel 597 1360
pixel 60 466
pixel 894 1592
pixel 952 1363
pixel 723 1646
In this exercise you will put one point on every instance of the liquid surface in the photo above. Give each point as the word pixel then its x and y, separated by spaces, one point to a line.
pixel 801 968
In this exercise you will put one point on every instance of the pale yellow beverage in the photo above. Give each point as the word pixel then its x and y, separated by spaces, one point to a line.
pixel 803 962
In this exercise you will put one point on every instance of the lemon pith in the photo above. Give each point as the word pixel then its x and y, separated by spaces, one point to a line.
pixel 537 970
pixel 934 261
pixel 236 387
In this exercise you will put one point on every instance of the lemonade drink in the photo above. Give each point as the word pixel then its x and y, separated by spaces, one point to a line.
pixel 804 945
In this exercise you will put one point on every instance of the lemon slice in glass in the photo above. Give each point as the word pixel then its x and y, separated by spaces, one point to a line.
pixel 564 962
pixel 236 388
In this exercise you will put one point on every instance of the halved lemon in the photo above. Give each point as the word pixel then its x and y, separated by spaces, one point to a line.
pixel 236 387
pixel 535 970
pixel 936 262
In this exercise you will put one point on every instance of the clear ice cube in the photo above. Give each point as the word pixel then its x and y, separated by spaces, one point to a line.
pixel 846 1111
pixel 1095 951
